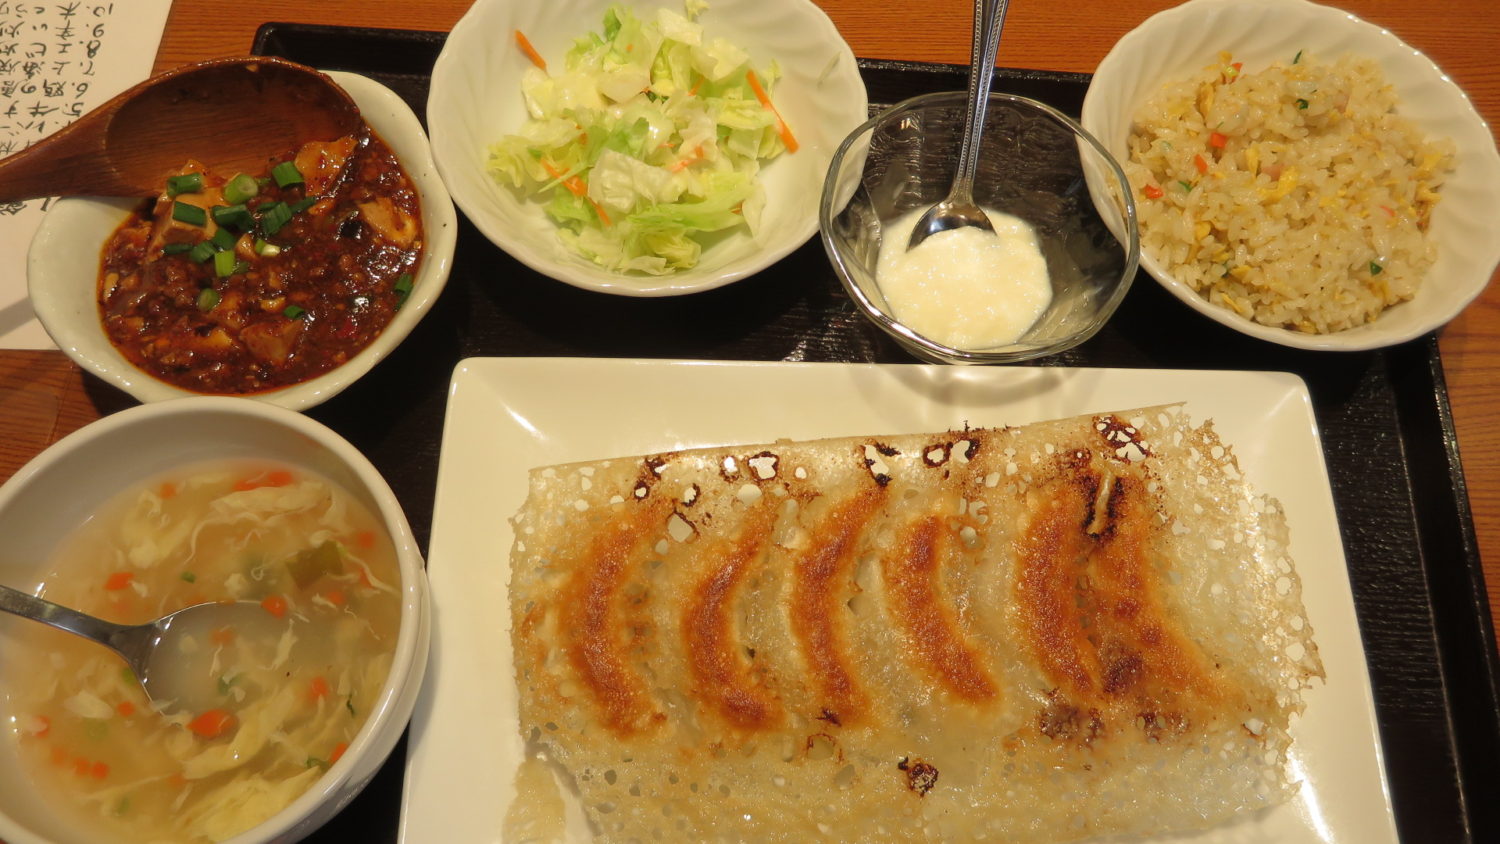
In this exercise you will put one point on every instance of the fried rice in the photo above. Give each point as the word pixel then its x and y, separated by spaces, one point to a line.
pixel 1294 196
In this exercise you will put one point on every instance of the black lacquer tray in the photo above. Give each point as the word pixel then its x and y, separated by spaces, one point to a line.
pixel 1387 433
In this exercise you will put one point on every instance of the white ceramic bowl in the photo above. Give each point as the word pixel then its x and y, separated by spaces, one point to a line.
pixel 1178 42
pixel 62 268
pixel 476 99
pixel 55 492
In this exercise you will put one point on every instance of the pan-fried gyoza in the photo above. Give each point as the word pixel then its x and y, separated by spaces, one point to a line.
pixel 1037 633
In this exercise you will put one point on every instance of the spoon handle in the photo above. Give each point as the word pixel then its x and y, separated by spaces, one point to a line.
pixel 989 16
pixel 98 630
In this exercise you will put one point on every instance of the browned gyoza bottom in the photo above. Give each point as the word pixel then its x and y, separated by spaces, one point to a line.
pixel 1035 634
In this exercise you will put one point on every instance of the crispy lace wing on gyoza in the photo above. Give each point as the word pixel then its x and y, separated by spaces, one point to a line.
pixel 1040 633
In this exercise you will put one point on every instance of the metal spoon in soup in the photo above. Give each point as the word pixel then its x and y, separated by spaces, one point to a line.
pixel 154 651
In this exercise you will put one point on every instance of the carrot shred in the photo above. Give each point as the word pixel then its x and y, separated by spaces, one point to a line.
pixel 1217 140
pixel 318 688
pixel 125 708
pixel 781 128
pixel 530 51
pixel 1200 164
pixel 1153 192
pixel 338 752
pixel 99 770
pixel 176 779
pixel 336 597
pixel 275 605
pixel 167 490
pixel 212 723
pixel 576 186
pixel 118 580
pixel 365 539
pixel 599 209
pixel 46 726
pixel 687 160
pixel 273 478
pixel 222 636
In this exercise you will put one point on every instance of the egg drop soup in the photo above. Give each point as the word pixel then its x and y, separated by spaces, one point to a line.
pixel 276 701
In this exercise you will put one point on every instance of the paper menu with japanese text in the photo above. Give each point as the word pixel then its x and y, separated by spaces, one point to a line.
pixel 58 59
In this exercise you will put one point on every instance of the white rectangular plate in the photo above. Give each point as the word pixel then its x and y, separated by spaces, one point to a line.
pixel 507 415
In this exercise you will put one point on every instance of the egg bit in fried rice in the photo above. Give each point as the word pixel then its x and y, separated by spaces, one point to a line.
pixel 1295 195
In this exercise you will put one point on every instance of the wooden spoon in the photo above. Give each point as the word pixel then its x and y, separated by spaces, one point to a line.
pixel 229 114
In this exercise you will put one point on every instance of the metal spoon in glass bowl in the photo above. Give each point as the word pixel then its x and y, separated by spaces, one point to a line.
pixel 154 650
pixel 227 114
pixel 958 209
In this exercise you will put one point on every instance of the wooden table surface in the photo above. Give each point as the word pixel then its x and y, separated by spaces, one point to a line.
pixel 43 396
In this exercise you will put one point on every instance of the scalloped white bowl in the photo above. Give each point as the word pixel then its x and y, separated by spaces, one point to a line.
pixel 61 488
pixel 62 266
pixel 475 99
pixel 1178 42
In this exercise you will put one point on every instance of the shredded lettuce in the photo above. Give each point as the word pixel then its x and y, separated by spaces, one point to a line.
pixel 647 144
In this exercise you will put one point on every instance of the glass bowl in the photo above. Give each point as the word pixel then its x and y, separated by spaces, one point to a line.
pixel 1035 163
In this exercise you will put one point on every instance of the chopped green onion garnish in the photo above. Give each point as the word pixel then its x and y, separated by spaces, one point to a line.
pixel 286 173
pixel 274 216
pixel 293 312
pixel 1375 269
pixel 176 248
pixel 186 183
pixel 1186 186
pixel 1301 103
pixel 190 214
pixel 1297 58
pixel 203 251
pixel 207 298
pixel 234 216
pixel 224 264
pixel 240 188
pixel 349 705
pixel 223 240
pixel 266 250
pixel 189 577
pixel 402 288
pixel 303 204
pixel 315 761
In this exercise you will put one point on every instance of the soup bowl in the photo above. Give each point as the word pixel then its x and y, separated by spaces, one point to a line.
pixel 48 500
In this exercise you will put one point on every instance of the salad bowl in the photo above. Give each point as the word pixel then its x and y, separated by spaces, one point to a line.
pixel 477 99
